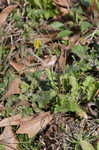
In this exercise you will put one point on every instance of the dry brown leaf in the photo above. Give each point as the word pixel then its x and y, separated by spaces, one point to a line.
pixel 74 40
pixel 46 63
pixel 33 126
pixel 14 120
pixel 27 61
pixel 13 87
pixel 5 12
pixel 29 125
pixel 21 68
pixel 49 62
pixel 63 5
pixel 18 67
pixel 61 62
pixel 8 139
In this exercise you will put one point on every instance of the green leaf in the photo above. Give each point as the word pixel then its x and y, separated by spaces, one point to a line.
pixel 97 145
pixel 36 2
pixel 25 110
pixel 97 4
pixel 43 98
pixel 85 145
pixel 85 25
pixel 75 87
pixel 57 25
pixel 80 51
pixel 97 32
pixel 24 87
pixel 64 33
pixel 67 104
pixel 47 14
pixel 2 147
pixel 89 87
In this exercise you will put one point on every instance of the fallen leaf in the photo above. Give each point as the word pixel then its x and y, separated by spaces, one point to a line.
pixel 13 120
pixel 49 62
pixel 17 66
pixel 27 61
pixel 21 68
pixel 74 40
pixel 46 63
pixel 61 61
pixel 5 12
pixel 13 87
pixel 33 126
pixel 30 125
pixel 8 139
pixel 63 5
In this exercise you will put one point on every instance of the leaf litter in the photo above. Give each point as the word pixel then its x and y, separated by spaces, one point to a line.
pixel 28 125
pixel 5 12
pixel 14 87
pixel 55 53
pixel 8 139
pixel 33 126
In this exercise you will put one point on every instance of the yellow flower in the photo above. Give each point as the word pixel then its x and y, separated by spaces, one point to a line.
pixel 37 43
